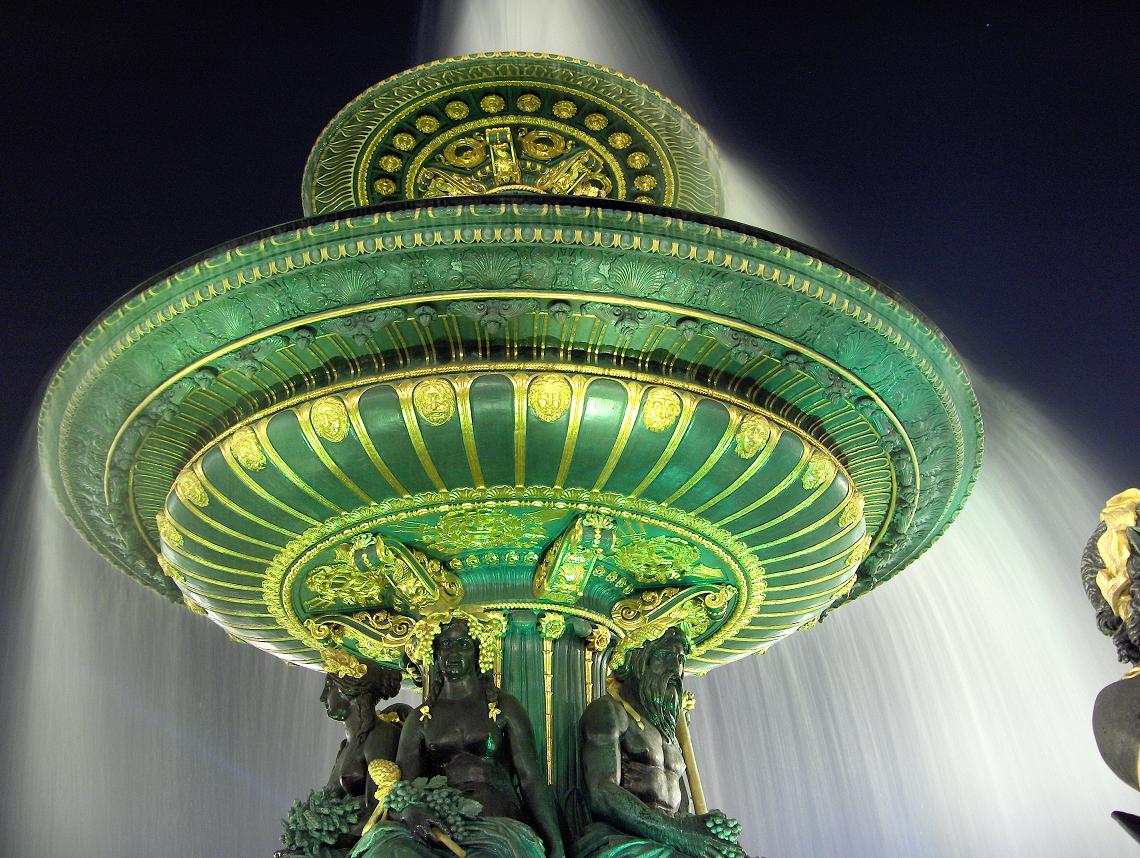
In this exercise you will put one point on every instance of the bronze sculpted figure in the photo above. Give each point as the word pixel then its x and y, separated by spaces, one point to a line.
pixel 369 735
pixel 480 740
pixel 347 799
pixel 633 770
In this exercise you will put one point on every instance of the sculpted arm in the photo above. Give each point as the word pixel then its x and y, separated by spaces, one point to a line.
pixel 602 726
pixel 536 793
pixel 409 753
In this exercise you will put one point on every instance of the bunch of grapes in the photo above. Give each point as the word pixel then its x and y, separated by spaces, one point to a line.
pixel 318 821
pixel 724 827
pixel 445 803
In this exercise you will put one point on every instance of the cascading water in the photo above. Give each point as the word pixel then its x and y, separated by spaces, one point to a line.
pixel 948 714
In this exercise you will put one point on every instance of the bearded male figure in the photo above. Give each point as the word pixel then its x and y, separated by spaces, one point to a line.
pixel 633 769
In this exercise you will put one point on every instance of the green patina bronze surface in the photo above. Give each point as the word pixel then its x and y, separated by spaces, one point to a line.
pixel 470 380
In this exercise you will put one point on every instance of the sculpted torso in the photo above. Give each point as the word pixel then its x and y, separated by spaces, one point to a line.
pixel 651 768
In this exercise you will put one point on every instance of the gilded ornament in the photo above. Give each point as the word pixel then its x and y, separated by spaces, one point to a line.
pixel 384 186
pixel 820 470
pixel 638 160
pixel 852 510
pixel 342 663
pixel 390 163
pixel 564 109
pixel 340 583
pixel 529 102
pixel 543 145
pixel 552 625
pixel 461 530
pixel 492 103
pixel 645 182
pixel 404 141
pixel 170 570
pixel 620 140
pixel 657 559
pixel 380 636
pixel 661 410
pixel 465 153
pixel 425 712
pixel 190 489
pixel 487 627
pixel 1114 549
pixel 434 400
pixel 456 109
pixel 641 198
pixel 753 434
pixel 493 711
pixel 596 121
pixel 859 552
pixel 565 569
pixel 330 418
pixel 599 638
pixel 647 615
pixel 246 449
pixel 167 531
pixel 427 123
pixel 549 396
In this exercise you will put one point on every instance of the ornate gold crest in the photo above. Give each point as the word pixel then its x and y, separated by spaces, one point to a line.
pixel 549 396
pixel 434 399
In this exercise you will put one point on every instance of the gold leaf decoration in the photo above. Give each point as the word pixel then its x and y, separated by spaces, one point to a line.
pixel 753 434
pixel 859 552
pixel 190 489
pixel 492 103
pixel 552 625
pixel 171 571
pixel 565 109
pixel 330 418
pixel 549 396
pixel 456 109
pixel 404 141
pixel 245 447
pixel 166 530
pixel 656 559
pixel 852 509
pixel 596 121
pixel 434 399
pixel 529 102
pixel 427 123
pixel 342 663
pixel 487 627
pixel 820 471
pixel 483 527
pixel 662 407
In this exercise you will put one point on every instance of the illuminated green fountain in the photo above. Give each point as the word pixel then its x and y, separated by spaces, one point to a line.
pixel 512 361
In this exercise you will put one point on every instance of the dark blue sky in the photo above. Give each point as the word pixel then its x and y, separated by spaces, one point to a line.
pixel 983 162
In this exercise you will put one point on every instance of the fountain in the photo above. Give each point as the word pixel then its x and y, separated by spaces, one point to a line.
pixel 513 367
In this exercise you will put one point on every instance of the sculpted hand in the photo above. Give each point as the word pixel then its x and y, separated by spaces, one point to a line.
pixel 706 846
pixel 421 823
